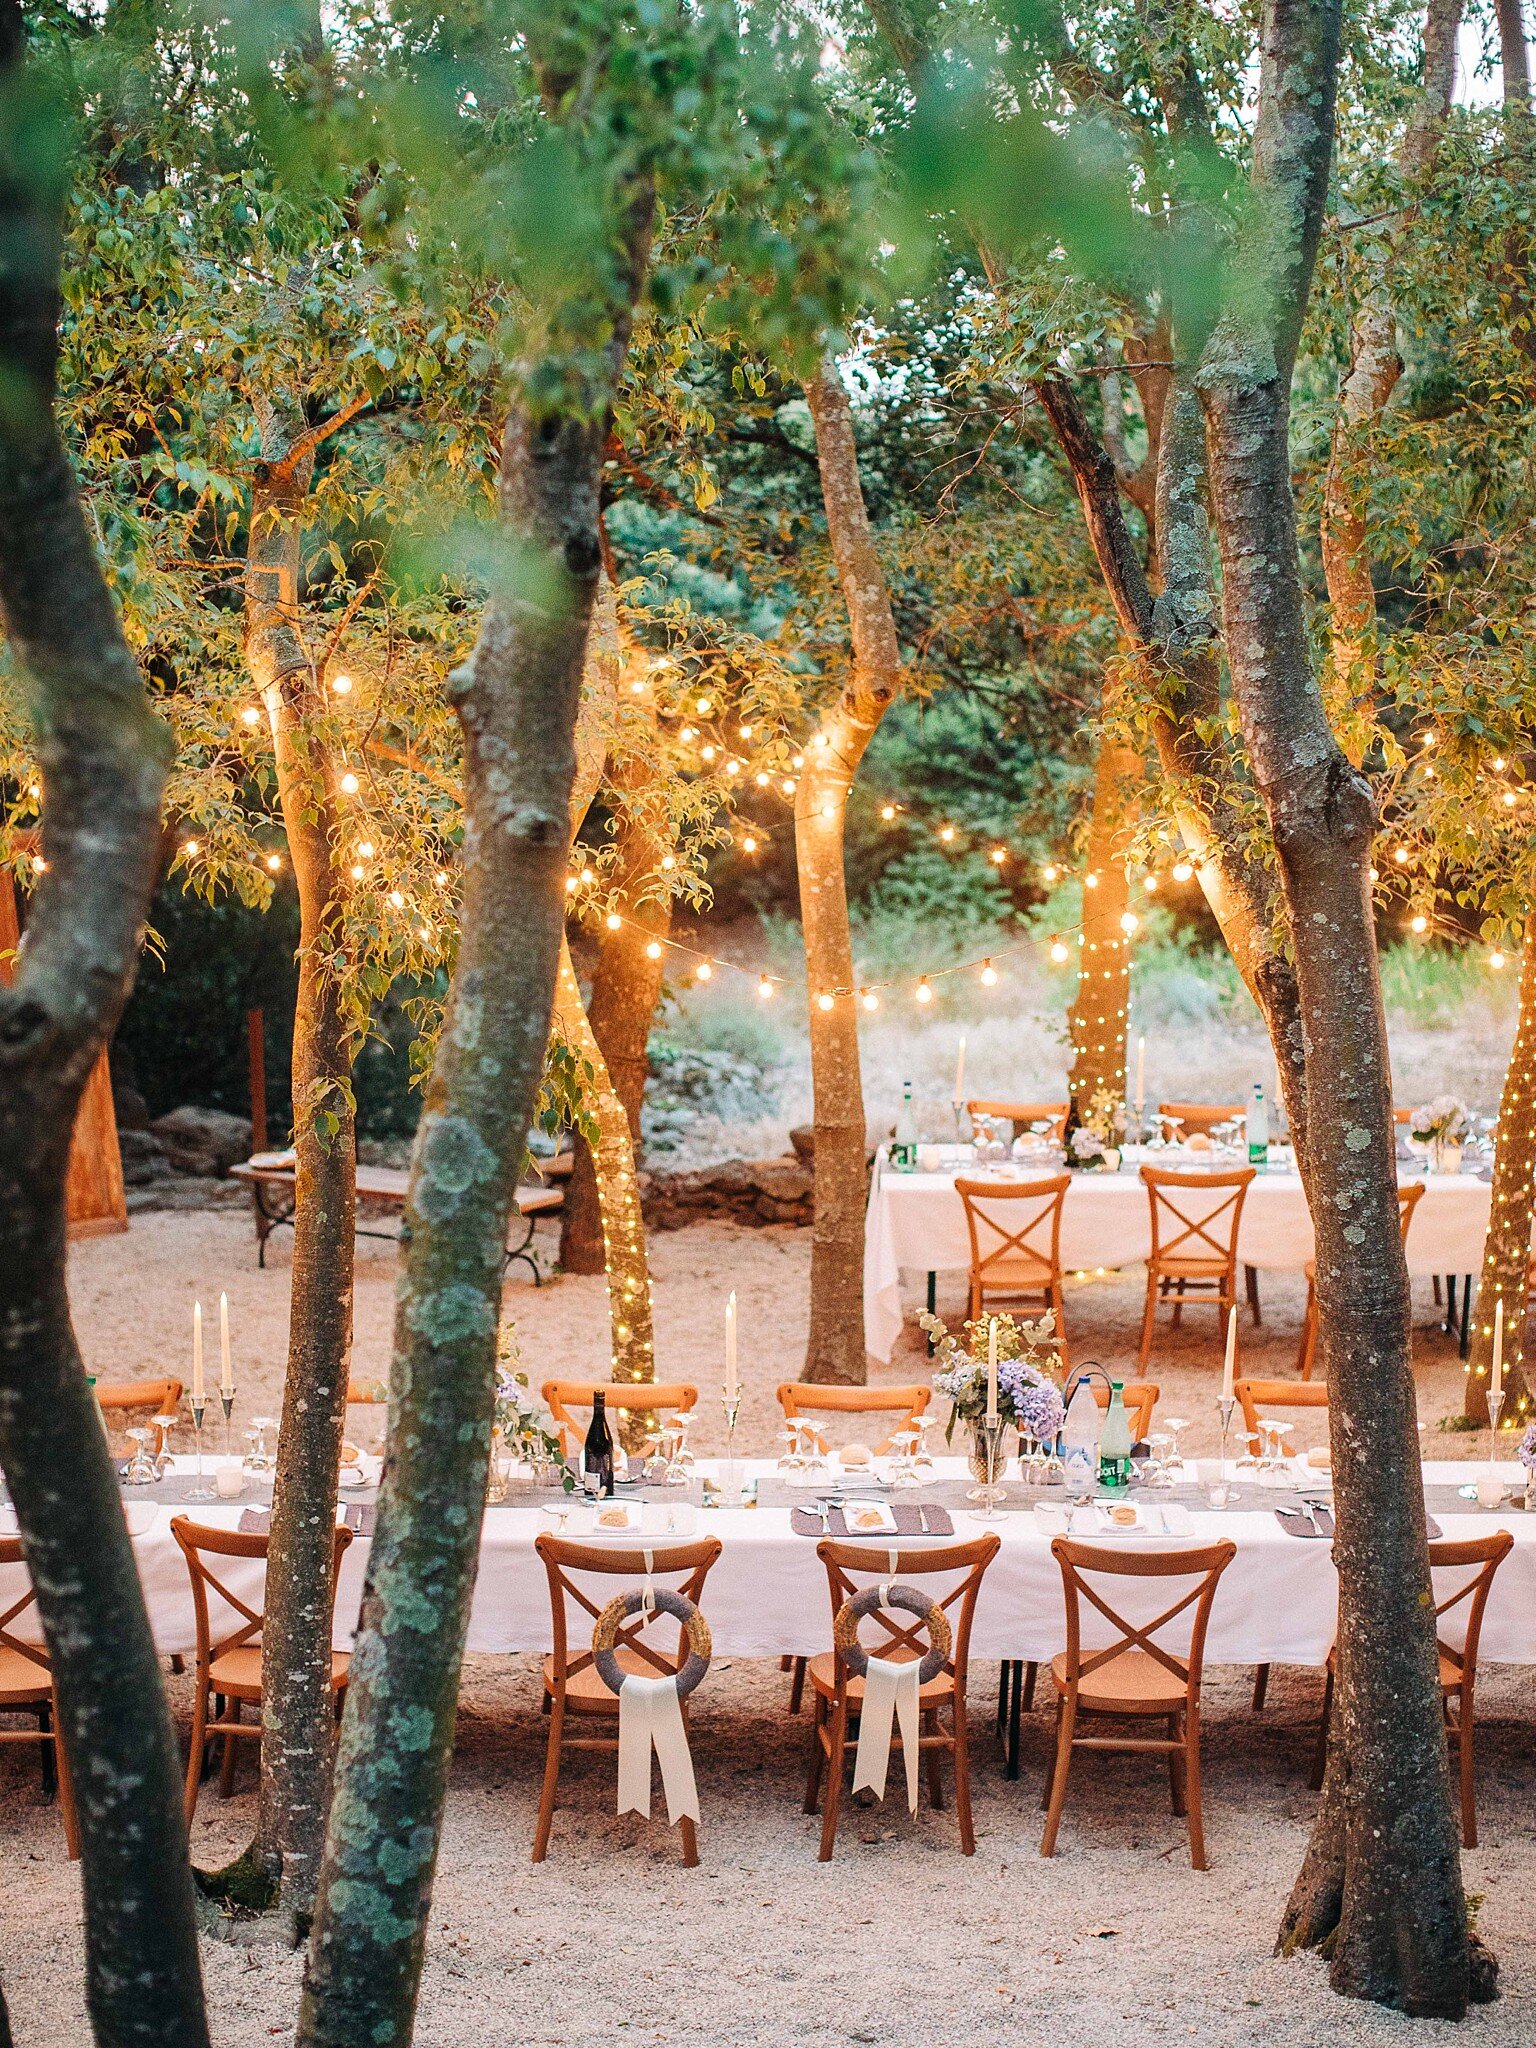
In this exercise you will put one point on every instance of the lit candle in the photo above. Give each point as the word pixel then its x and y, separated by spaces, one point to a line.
pixel 1141 1076
pixel 1496 1370
pixel 226 1369
pixel 197 1351
pixel 960 1071
pixel 992 1369
pixel 732 1388
pixel 1229 1363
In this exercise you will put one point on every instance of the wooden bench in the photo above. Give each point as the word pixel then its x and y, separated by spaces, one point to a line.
pixel 270 1178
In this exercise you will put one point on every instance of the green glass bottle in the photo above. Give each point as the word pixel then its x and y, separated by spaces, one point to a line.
pixel 1115 1442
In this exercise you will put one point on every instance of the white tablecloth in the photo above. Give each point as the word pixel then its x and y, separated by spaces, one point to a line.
pixel 768 1593
pixel 916 1221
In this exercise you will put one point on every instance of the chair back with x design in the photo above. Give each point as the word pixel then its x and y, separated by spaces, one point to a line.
pixel 32 1653
pixel 199 1541
pixel 567 1563
pixel 1479 1557
pixel 1204 1565
pixel 1022 1114
pixel 959 1568
pixel 1015 1229
pixel 1196 1215
pixel 570 1403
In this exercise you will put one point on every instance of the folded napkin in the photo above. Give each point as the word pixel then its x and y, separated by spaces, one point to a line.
pixel 890 1697
pixel 651 1717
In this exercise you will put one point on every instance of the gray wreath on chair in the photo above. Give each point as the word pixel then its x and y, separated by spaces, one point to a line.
pixel 605 1636
pixel 845 1629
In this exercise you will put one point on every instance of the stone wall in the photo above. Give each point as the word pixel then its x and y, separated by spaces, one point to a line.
pixel 753 1191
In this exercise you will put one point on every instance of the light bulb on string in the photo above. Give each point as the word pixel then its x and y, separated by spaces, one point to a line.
pixel 797 760
pixel 1495 959
pixel 829 810
pixel 570 885
pixel 703 972
pixel 749 844
pixel 824 1000
pixel 762 780
pixel 1059 951
pixel 349 783
pixel 341 685
pixel 1129 922
pixel 1418 922
pixel 442 880
pixel 189 847
pixel 1049 872
pixel 613 921
pixel 923 993
pixel 653 950
pixel 1149 883
pixel 365 849
pixel 946 833
pixel 1401 855
pixel 358 872
pixel 708 753
pixel 888 812
pixel 1183 871
pixel 249 716
pixel 397 899
pixel 869 999
pixel 988 974
pixel 1090 880
pixel 998 855
pixel 702 706
pixel 789 785
pixel 764 988
pixel 275 862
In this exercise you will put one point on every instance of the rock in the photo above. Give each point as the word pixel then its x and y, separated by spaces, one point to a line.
pixel 144 1157
pixel 189 1191
pixel 203 1142
pixel 803 1138
pixel 129 1107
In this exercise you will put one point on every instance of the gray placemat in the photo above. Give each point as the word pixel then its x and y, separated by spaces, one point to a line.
pixel 912 1519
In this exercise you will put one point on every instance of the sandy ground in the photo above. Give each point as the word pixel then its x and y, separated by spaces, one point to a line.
pixel 901 1940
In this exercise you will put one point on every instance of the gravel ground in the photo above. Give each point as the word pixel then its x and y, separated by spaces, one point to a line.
pixel 1117 1939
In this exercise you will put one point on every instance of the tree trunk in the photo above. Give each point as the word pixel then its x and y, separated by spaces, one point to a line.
pixel 1514 55
pixel 618 1193
pixel 517 698
pixel 1396 1912
pixel 835 1345
pixel 1507 1247
pixel 1096 1022
pixel 103 757
pixel 298 1720
pixel 626 986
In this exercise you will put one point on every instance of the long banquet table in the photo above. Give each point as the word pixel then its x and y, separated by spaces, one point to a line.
pixel 916 1221
pixel 767 1595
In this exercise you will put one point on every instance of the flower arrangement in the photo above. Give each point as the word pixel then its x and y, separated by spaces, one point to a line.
pixel 521 1419
pixel 1027 1395
pixel 1525 1451
pixel 1443 1121
pixel 1100 1128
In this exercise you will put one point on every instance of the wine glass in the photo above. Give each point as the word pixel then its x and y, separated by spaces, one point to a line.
pixel 681 1461
pixel 141 1466
pixel 813 1449
pixel 1154 1470
pixel 1249 1460
pixel 654 1466
pixel 164 1424
pixel 1175 1466
pixel 1272 1467
pixel 259 1459
pixel 922 1456
pixel 903 1466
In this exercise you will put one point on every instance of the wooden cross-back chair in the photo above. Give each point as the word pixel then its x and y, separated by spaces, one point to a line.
pixel 1022 1114
pixel 1015 1231
pixel 1479 1557
pixel 839 1695
pixel 158 1397
pixel 573 1685
pixel 1196 1119
pixel 229 1664
pixel 1195 1222
pixel 623 1397
pixel 1136 1677
pixel 26 1687
pixel 798 1398
pixel 1409 1196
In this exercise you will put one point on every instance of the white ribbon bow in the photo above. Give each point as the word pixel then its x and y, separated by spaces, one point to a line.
pixel 890 1695
pixel 651 1716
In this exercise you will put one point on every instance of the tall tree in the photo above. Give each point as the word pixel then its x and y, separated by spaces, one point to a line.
pixel 103 757
pixel 1383 1877
pixel 835 1340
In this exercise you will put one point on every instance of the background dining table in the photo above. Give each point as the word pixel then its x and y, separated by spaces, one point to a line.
pixel 915 1222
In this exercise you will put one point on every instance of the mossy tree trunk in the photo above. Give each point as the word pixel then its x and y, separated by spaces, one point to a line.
pixel 516 698
pixel 1390 1899
pixel 835 1344
pixel 298 1723
pixel 103 757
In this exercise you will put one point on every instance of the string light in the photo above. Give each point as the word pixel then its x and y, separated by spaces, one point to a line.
pixel 824 1000
pixel 274 862
pixel 762 780
pixel 1495 959
pixel 396 899
pixel 669 861
pixel 341 685
pixel 869 999
pixel 749 844
pixel 570 885
pixel 703 972
pixel 703 707
pixel 189 847
pixel 924 992
pixel 249 716
pixel 764 988
pixel 1183 871
pixel 39 865
pixel 365 849
pixel 988 974
pixel 1419 923
pixel 1049 873
pixel 1129 922
pixel 358 871
pixel 1059 951
pixel 1149 883
pixel 1400 855
pixel 653 950
pixel 1090 880
pixel 946 833
pixel 789 785
pixel 349 783
pixel 613 920
pixel 708 753
pixel 998 855
pixel 829 810
pixel 442 880
pixel 888 812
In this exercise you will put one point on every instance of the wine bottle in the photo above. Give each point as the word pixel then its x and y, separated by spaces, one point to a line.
pixel 904 1145
pixel 597 1450
pixel 1258 1128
